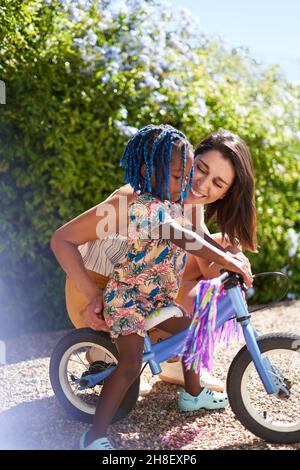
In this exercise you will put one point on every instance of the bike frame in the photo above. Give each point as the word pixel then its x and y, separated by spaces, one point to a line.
pixel 231 305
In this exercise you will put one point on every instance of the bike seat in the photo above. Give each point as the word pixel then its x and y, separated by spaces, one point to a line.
pixel 161 315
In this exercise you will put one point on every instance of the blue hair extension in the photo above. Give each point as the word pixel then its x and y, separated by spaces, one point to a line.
pixel 152 146
pixel 189 185
pixel 183 151
pixel 167 155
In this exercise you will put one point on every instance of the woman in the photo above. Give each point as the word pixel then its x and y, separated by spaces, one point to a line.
pixel 223 180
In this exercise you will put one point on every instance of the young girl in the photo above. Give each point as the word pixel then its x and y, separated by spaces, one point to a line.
pixel 159 165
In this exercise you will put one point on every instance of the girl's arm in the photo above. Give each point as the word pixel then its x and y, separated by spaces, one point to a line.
pixel 205 247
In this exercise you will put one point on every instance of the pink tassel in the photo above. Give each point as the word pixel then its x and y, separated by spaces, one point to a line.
pixel 201 337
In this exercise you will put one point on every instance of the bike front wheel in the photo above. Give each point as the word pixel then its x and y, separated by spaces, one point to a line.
pixel 274 418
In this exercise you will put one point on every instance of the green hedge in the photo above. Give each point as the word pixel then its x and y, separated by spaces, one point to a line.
pixel 81 77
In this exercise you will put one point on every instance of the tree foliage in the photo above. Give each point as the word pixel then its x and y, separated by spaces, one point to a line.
pixel 81 77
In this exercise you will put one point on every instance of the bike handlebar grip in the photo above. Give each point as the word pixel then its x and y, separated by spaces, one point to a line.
pixel 228 274
pixel 224 276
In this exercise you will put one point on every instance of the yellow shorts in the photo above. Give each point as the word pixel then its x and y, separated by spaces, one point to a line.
pixel 77 301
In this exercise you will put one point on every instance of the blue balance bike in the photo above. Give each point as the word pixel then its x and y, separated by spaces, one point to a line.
pixel 263 382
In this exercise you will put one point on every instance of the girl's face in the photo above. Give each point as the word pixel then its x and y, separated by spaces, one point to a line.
pixel 213 176
pixel 176 168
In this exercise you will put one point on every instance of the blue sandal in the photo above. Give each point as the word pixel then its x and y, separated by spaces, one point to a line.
pixel 99 444
pixel 206 399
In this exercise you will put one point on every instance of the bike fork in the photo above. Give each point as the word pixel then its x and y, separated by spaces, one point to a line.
pixel 263 365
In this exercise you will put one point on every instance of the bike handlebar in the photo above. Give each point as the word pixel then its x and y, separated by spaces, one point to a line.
pixel 233 278
pixel 224 276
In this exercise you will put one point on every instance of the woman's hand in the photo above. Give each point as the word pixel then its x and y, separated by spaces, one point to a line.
pixel 239 255
pixel 240 264
pixel 92 315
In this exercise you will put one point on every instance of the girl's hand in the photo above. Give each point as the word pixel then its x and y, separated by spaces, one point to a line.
pixel 240 264
pixel 92 315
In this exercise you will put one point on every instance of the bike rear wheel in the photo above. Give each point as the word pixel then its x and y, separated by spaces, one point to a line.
pixel 69 361
pixel 273 418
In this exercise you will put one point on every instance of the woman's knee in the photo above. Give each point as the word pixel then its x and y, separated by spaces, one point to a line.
pixel 186 296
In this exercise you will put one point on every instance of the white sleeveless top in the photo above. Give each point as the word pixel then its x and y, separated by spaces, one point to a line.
pixel 100 256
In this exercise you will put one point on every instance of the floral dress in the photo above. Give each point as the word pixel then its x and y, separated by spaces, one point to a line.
pixel 147 278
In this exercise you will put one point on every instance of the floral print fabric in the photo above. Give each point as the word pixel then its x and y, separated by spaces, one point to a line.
pixel 148 276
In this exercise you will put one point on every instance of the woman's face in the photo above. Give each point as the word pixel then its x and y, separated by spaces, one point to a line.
pixel 213 176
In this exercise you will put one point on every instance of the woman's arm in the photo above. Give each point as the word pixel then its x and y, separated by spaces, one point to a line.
pixel 87 227
pixel 210 269
pixel 64 243
pixel 225 242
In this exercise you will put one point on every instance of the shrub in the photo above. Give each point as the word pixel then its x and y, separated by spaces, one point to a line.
pixel 81 77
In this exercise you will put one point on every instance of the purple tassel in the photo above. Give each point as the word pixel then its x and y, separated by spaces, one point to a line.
pixel 200 341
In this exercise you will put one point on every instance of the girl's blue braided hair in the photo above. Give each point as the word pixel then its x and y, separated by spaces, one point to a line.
pixel 152 146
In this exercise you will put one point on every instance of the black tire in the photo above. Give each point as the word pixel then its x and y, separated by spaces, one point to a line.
pixel 98 338
pixel 234 380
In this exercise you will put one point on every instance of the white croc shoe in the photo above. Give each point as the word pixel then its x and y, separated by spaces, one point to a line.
pixel 206 399
pixel 99 444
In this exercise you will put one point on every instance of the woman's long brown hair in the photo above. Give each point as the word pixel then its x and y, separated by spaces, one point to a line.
pixel 235 214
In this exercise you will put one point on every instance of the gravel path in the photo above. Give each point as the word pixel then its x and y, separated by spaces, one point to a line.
pixel 31 417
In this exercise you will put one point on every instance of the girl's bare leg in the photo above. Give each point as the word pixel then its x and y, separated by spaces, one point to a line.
pixel 196 269
pixel 130 350
pixel 191 378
